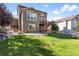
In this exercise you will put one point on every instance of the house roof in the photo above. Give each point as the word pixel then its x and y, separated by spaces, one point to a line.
pixel 65 19
pixel 31 9
pixel 24 7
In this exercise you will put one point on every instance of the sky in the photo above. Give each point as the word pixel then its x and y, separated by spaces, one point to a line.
pixel 54 11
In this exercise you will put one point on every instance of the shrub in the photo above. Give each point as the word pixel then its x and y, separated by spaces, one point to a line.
pixel 20 33
pixel 5 16
pixel 54 26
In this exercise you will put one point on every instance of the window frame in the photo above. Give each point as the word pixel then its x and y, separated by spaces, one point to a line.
pixel 33 25
pixel 31 15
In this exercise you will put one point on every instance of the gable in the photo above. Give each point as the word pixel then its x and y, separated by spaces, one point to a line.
pixel 23 8
pixel 31 9
pixel 65 19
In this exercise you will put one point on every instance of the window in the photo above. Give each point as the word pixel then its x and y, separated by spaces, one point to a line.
pixel 31 26
pixel 34 16
pixel 31 16
pixel 28 15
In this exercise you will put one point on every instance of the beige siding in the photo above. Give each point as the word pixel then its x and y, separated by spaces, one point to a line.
pixel 26 22
pixel 23 21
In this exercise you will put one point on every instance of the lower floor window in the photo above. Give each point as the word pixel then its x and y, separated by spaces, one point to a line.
pixel 31 26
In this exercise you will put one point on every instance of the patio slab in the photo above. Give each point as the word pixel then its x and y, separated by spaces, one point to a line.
pixel 37 34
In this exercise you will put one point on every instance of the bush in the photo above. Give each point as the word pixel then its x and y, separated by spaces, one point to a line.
pixel 54 26
pixel 20 33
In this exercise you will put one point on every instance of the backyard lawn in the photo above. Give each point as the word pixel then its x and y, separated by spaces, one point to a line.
pixel 51 45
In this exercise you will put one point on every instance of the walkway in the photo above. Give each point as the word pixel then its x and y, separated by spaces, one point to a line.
pixel 37 34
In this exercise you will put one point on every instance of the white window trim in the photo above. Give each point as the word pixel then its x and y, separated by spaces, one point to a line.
pixel 32 25
pixel 34 15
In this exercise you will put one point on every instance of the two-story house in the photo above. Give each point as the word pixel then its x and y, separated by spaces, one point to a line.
pixel 31 20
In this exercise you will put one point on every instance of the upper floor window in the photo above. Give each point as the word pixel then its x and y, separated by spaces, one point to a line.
pixel 27 15
pixel 31 16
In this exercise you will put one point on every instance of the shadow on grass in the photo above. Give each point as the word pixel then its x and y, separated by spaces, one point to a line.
pixel 61 36
pixel 23 46
pixel 4 48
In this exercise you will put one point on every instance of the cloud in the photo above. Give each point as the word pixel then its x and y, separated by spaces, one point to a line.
pixel 73 7
pixel 55 12
pixel 46 5
pixel 65 8
pixel 57 18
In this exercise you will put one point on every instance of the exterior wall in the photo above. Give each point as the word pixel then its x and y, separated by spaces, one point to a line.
pixel 42 21
pixel 49 28
pixel 73 24
pixel 22 27
pixel 69 25
pixel 61 25
pixel 19 13
pixel 26 22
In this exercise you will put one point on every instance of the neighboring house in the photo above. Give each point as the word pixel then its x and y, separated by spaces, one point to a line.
pixel 31 20
pixel 14 23
pixel 68 22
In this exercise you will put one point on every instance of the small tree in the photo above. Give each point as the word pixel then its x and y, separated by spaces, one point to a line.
pixel 54 26
pixel 5 18
pixel 5 15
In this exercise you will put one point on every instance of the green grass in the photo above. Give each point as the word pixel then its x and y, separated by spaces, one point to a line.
pixel 51 45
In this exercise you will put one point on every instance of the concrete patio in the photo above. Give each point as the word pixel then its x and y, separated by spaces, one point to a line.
pixel 38 34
